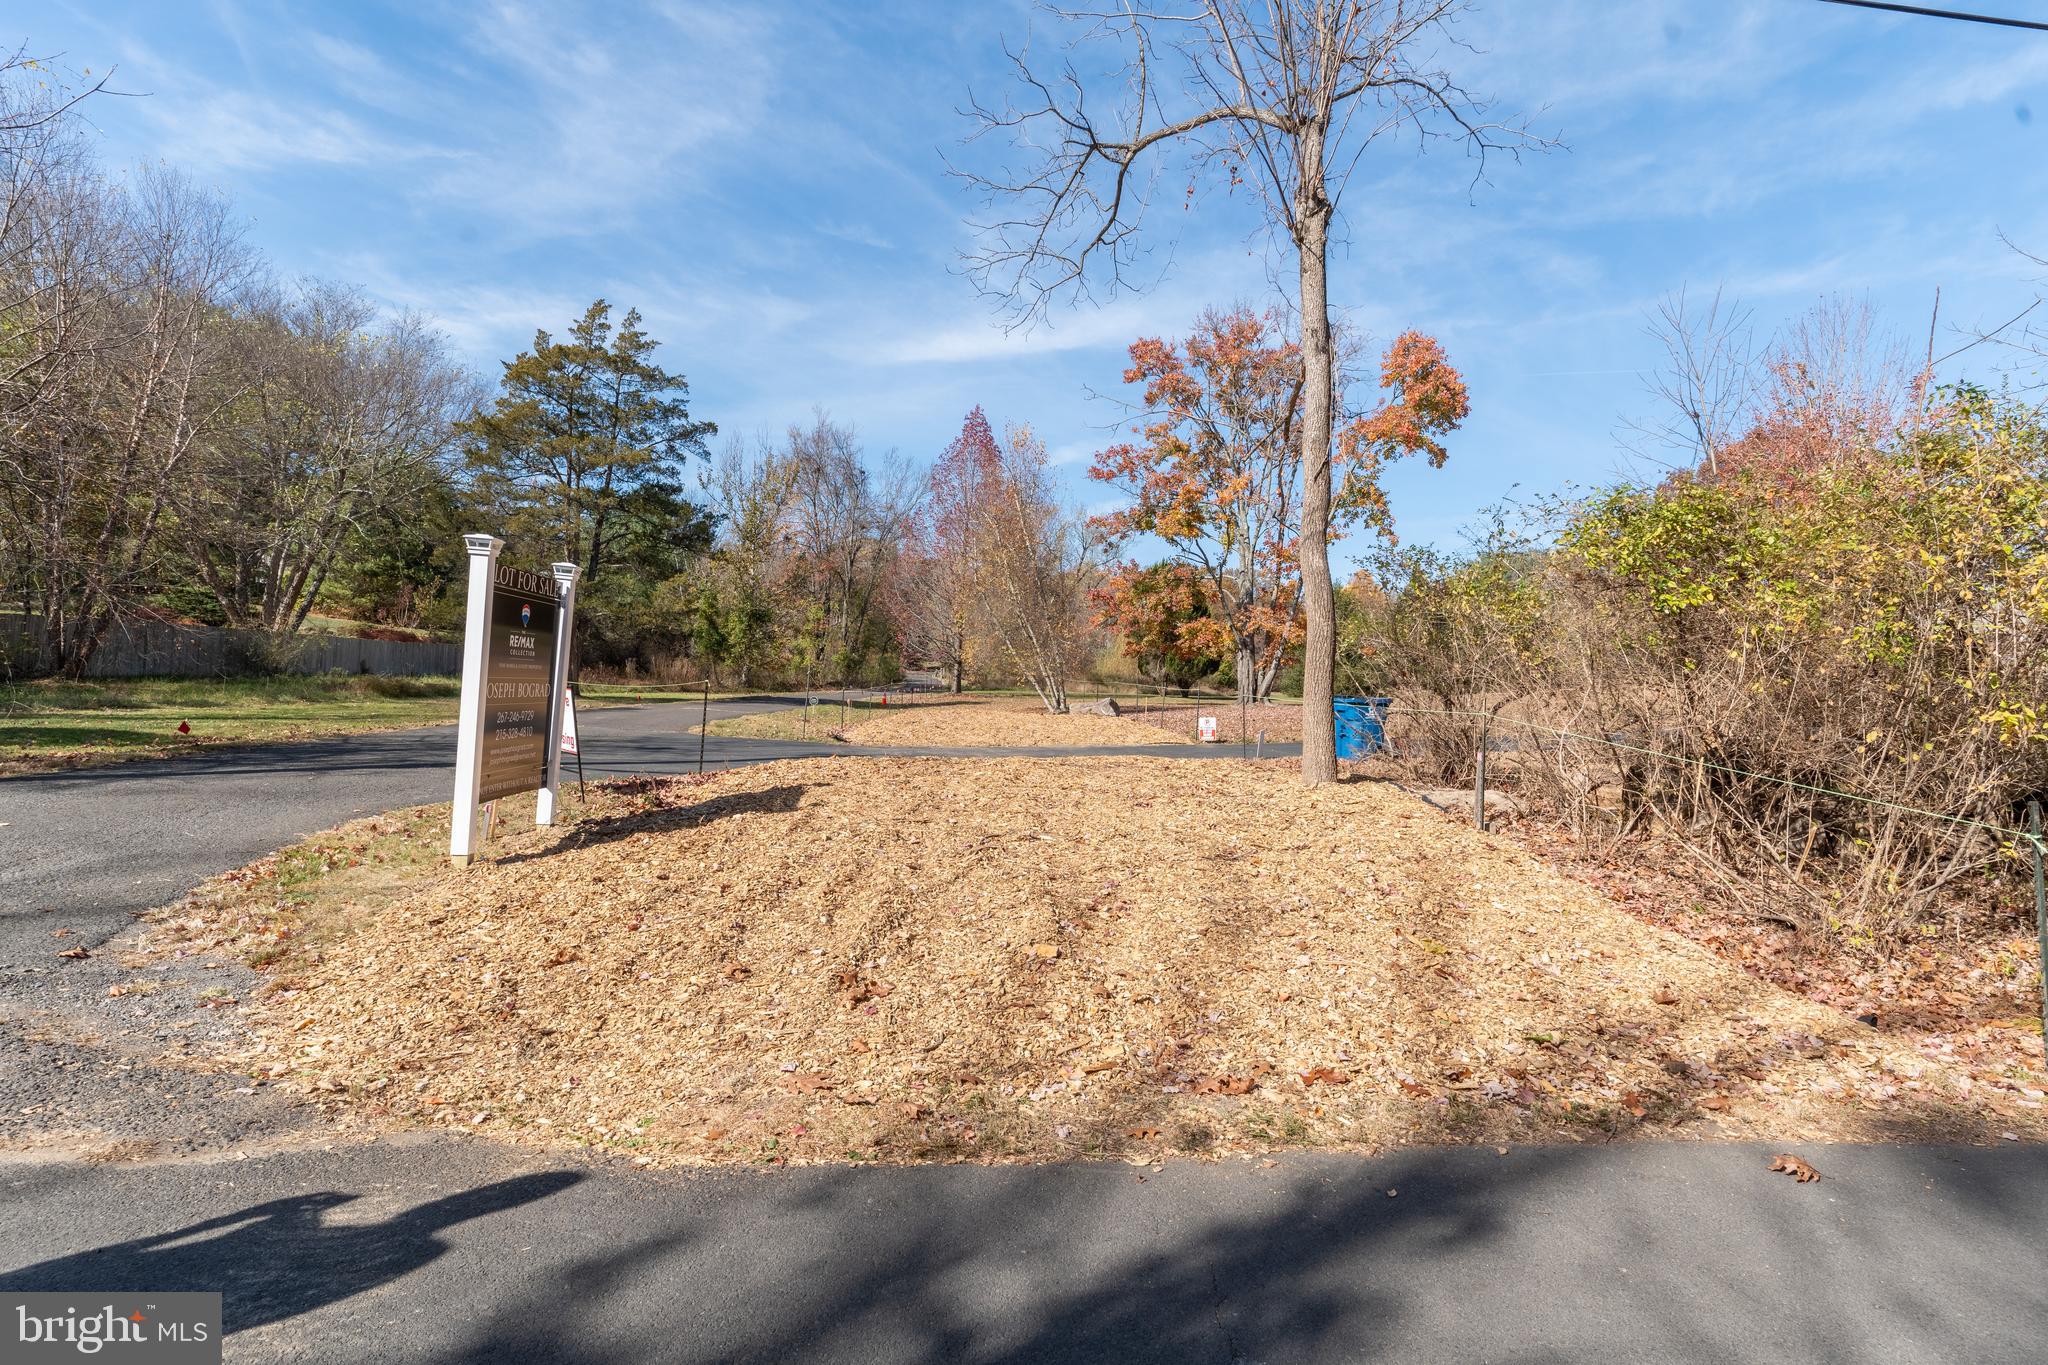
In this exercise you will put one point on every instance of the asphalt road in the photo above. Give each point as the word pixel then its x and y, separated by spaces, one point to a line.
pixel 466 1252
pixel 442 1250
pixel 97 843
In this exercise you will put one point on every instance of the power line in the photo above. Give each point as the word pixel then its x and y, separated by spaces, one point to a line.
pixel 1922 10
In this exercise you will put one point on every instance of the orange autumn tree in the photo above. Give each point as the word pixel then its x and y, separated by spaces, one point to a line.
pixel 1217 472
pixel 1426 401
pixel 1216 475
pixel 1162 616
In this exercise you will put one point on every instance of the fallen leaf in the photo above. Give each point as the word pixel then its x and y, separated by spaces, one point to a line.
pixel 1794 1167
pixel 738 971
pixel 1325 1075
pixel 713 1134
pixel 810 1082
pixel 1665 996
pixel 1046 950
pixel 1224 1085
pixel 1714 1102
pixel 564 956
pixel 74 953
pixel 1142 1134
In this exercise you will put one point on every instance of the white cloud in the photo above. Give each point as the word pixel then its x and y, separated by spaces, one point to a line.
pixel 857 233
pixel 203 126
pixel 595 127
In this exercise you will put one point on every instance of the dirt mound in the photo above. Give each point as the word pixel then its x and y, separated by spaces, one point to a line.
pixel 959 723
pixel 868 959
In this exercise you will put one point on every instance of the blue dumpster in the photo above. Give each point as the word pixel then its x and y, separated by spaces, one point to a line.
pixel 1361 725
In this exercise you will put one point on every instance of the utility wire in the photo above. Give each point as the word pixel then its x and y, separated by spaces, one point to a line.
pixel 1925 12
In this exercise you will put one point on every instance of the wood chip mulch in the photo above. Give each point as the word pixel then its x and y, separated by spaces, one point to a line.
pixel 867 959
pixel 970 723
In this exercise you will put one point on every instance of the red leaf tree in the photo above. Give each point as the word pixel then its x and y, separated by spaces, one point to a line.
pixel 935 592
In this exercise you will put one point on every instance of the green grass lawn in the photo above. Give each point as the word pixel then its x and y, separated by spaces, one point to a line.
pixel 639 694
pixel 48 724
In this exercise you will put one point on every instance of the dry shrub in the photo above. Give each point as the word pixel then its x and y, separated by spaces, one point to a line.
pixel 1830 680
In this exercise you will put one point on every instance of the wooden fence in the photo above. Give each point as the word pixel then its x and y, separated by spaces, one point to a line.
pixel 157 649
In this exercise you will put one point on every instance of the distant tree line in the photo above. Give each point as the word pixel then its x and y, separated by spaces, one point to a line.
pixel 186 436
pixel 180 431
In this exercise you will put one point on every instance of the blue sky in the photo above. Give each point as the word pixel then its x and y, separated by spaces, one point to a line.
pixel 767 184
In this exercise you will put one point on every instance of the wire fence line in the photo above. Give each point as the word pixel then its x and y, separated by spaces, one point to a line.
pixel 1491 718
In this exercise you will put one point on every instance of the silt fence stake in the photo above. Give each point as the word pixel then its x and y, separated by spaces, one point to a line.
pixel 1479 789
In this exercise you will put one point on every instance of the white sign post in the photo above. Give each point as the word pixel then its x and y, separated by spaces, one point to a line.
pixel 550 794
pixel 509 733
pixel 469 729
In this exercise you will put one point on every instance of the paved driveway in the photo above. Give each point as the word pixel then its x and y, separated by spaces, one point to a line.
pixel 1655 1252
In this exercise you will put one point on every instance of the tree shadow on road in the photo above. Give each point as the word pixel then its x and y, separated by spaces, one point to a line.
pixel 1553 1254
pixel 279 1259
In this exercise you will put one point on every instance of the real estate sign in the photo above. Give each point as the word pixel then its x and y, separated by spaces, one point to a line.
pixel 515 666
pixel 518 682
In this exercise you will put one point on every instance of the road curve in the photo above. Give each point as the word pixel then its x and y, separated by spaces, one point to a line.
pixel 97 844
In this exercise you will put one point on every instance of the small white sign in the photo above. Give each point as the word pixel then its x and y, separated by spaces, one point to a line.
pixel 568 722
pixel 1206 725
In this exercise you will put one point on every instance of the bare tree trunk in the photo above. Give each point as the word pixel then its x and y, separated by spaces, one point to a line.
pixel 1319 603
